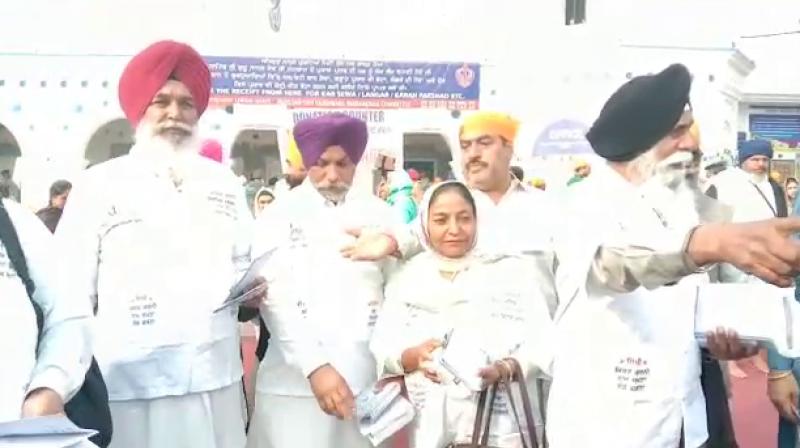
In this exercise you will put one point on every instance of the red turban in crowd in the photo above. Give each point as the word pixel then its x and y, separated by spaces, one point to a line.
pixel 211 149
pixel 315 135
pixel 149 70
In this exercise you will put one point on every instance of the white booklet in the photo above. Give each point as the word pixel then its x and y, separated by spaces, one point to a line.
pixel 463 357
pixel 382 412
pixel 46 432
pixel 242 291
pixel 758 312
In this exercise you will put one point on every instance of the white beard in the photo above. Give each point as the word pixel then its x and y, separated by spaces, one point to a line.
pixel 673 187
pixel 167 157
pixel 644 166
pixel 757 178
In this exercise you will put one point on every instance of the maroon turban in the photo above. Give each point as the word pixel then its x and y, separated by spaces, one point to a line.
pixel 315 135
pixel 149 70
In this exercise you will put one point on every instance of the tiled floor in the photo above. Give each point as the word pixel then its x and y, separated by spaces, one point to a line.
pixel 754 418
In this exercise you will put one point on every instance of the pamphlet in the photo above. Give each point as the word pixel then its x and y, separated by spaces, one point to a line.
pixel 46 432
pixel 382 412
pixel 758 312
pixel 243 290
pixel 463 358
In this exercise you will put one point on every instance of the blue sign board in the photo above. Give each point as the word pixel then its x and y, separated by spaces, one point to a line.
pixel 784 128
pixel 563 137
pixel 328 83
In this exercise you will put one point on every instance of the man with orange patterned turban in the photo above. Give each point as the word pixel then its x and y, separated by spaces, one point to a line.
pixel 156 239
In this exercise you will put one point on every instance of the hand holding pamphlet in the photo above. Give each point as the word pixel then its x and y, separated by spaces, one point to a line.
pixel 758 312
pixel 463 358
pixel 248 286
pixel 382 412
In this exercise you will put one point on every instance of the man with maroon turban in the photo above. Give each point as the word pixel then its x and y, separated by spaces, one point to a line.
pixel 151 238
pixel 321 306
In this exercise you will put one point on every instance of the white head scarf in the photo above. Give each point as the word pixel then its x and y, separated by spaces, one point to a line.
pixel 255 199
pixel 399 179
pixel 446 264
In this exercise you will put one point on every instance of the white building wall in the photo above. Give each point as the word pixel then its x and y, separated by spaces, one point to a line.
pixel 532 65
pixel 335 29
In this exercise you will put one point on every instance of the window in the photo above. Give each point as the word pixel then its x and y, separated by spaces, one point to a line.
pixel 2 82
pixel 22 83
pixel 63 83
pixel 575 12
pixel 84 83
pixel 42 83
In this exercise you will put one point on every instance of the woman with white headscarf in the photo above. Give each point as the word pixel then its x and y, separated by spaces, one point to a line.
pixel 449 287
pixel 263 198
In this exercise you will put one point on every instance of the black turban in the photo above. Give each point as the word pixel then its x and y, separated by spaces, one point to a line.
pixel 640 113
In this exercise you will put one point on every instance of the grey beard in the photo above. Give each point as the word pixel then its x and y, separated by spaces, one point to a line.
pixel 675 185
pixel 334 195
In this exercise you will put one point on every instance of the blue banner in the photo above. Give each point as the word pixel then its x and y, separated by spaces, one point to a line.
pixel 785 128
pixel 327 83
pixel 563 137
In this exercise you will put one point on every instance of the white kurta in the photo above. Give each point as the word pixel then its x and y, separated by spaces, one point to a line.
pixel 627 367
pixel 202 420
pixel 320 310
pixel 493 301
pixel 158 259
pixel 65 349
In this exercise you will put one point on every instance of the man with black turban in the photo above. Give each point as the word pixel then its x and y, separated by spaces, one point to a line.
pixel 630 262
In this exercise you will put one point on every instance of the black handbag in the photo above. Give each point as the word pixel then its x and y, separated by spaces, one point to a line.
pixel 525 421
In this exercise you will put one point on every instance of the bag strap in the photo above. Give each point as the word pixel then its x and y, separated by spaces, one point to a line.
pixel 10 240
pixel 764 197
pixel 512 401
pixel 518 377
pixel 488 425
pixel 540 385
pixel 478 424
pixel 480 437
